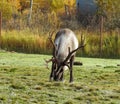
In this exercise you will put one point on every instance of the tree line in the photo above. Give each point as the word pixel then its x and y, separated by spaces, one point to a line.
pixel 12 9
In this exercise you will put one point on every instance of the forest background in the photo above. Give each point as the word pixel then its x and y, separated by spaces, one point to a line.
pixel 26 25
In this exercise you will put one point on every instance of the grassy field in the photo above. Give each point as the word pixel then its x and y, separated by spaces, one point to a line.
pixel 25 80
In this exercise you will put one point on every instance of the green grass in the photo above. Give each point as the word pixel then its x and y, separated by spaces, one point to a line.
pixel 24 79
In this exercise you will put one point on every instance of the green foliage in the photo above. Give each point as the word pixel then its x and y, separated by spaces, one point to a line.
pixel 110 9
pixel 110 6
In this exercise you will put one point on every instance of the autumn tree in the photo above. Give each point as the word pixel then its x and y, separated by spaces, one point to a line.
pixel 9 7
pixel 6 9
pixel 111 10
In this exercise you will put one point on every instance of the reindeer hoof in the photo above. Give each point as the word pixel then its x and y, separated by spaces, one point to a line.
pixel 71 81
pixel 51 79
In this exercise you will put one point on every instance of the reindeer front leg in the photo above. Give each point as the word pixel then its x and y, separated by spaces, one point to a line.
pixel 71 68
pixel 52 71
pixel 61 75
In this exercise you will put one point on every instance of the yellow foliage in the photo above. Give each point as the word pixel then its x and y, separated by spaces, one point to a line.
pixel 6 10
pixel 57 4
pixel 70 2
pixel 14 3
pixel 42 3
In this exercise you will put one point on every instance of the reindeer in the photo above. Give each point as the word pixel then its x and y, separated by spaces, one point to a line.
pixel 65 46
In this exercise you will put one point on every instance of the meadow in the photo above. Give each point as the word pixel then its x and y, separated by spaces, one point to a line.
pixel 24 79
pixel 24 44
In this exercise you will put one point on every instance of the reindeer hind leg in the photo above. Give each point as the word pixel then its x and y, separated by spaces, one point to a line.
pixel 71 68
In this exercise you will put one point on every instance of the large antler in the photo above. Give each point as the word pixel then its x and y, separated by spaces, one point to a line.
pixel 54 46
pixel 53 59
pixel 70 53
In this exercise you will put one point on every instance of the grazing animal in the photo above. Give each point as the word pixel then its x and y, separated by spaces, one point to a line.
pixel 65 46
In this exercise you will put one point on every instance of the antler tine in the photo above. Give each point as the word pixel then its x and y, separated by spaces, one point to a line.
pixel 50 38
pixel 54 46
pixel 46 64
pixel 70 53
pixel 47 61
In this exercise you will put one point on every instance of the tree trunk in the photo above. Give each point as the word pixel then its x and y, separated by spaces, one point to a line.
pixel 67 11
pixel 30 14
pixel 0 23
pixel 0 27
